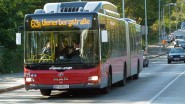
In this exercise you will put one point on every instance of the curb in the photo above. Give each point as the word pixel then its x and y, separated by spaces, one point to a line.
pixel 151 57
pixel 11 88
pixel 161 54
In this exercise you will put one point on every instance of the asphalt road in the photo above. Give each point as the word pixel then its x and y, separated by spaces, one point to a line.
pixel 160 83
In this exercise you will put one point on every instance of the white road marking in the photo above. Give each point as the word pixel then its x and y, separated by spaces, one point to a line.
pixel 159 93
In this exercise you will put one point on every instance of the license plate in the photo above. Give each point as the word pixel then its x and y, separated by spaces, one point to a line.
pixel 60 86
pixel 176 58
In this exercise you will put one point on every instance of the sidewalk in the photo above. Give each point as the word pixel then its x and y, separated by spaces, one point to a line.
pixel 14 81
pixel 10 82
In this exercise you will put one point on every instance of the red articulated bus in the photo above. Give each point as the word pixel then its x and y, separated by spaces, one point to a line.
pixel 80 45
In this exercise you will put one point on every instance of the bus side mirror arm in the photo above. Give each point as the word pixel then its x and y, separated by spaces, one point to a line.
pixel 102 26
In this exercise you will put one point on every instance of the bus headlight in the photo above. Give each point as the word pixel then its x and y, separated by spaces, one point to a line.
pixel 93 78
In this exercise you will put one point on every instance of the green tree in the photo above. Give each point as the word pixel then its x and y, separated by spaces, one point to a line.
pixel 12 15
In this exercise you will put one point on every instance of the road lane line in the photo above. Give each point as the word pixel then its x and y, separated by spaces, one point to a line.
pixel 159 93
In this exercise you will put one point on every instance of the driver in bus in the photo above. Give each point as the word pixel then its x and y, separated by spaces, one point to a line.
pixel 47 49
pixel 46 52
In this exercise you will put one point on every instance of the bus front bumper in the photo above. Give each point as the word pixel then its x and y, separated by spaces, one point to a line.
pixel 62 87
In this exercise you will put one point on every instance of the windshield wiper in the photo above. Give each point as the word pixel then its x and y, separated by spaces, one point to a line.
pixel 37 65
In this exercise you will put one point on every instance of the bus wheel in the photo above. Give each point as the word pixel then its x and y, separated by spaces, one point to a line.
pixel 169 62
pixel 45 92
pixel 136 76
pixel 106 90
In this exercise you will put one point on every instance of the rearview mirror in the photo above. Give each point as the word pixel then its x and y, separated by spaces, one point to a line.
pixel 18 38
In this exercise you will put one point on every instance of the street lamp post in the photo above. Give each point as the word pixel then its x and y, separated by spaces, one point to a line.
pixel 163 23
pixel 169 13
pixel 169 19
pixel 170 16
pixel 146 29
pixel 181 5
pixel 181 14
pixel 159 25
pixel 123 8
pixel 176 16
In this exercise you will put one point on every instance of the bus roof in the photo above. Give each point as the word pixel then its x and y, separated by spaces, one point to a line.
pixel 84 6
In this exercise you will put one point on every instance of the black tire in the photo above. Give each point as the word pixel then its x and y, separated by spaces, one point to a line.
pixel 169 62
pixel 45 92
pixel 136 76
pixel 144 65
pixel 147 64
pixel 106 90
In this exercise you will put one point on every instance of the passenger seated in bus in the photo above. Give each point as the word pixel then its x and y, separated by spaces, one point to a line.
pixel 63 49
pixel 68 52
pixel 75 49
pixel 76 45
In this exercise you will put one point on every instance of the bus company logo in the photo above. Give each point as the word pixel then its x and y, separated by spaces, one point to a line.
pixel 61 74
pixel 55 68
pixel 59 68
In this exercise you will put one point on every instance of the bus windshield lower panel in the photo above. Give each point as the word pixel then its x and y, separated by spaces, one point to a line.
pixel 76 49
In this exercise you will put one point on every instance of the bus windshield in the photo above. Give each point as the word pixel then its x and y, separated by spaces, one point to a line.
pixel 71 47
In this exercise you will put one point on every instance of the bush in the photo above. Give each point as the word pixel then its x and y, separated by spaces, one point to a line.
pixel 12 61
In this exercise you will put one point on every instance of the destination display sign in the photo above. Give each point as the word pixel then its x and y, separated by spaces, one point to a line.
pixel 57 22
pixel 36 23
